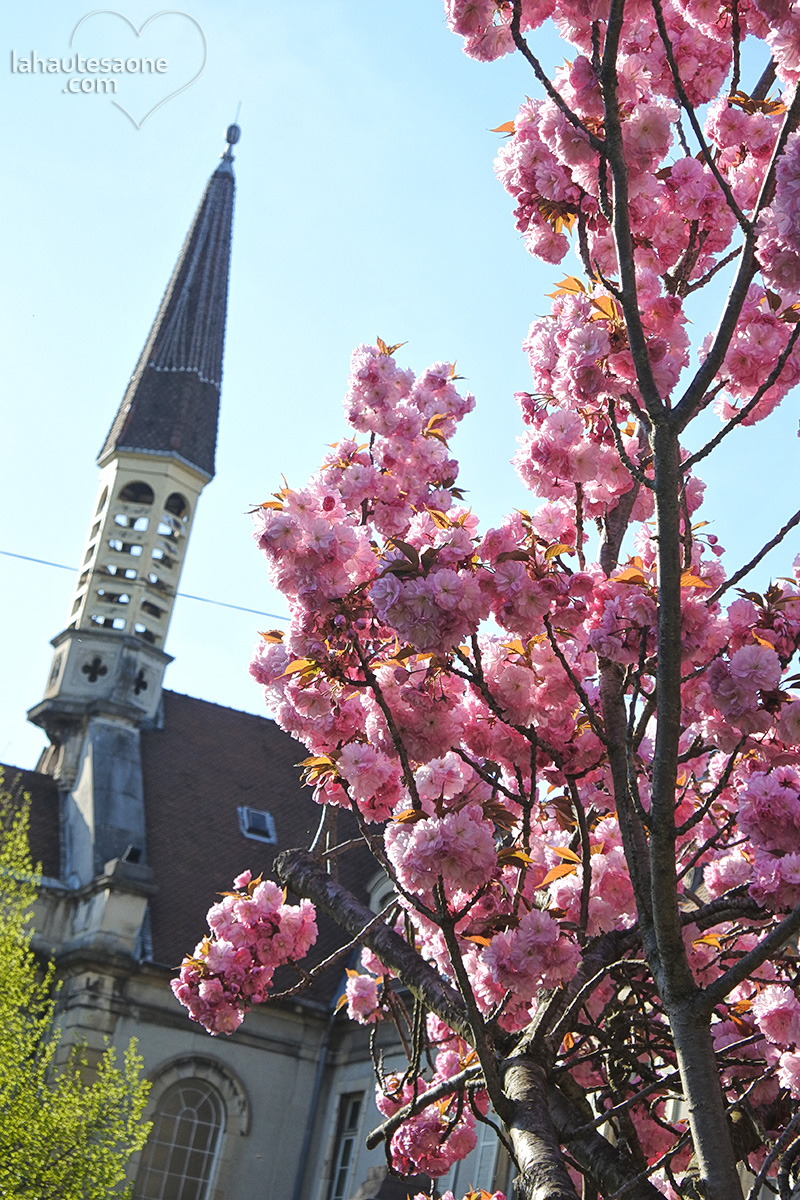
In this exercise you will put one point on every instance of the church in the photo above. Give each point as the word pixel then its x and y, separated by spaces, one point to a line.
pixel 147 803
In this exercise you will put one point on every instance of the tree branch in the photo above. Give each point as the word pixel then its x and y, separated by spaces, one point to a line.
pixel 383 1132
pixel 716 992
pixel 743 413
pixel 297 870
pixel 756 559
pixel 519 41
pixel 688 108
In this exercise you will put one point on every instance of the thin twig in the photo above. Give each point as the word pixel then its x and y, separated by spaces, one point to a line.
pixel 576 683
pixel 594 141
pixel 688 108
pixel 771 379
pixel 777 1149
pixel 756 559
pixel 308 976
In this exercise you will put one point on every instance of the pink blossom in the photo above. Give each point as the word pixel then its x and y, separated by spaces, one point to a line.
pixel 362 999
pixel 777 1013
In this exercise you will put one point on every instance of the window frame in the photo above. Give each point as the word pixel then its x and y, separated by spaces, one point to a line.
pixel 346 1142
pixel 235 1102
pixel 177 1132
pixel 270 838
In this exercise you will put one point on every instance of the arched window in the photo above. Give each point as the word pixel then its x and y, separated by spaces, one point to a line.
pixel 199 1110
pixel 137 493
pixel 177 505
pixel 181 1154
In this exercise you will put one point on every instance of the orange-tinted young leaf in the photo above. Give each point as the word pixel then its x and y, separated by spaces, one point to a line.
pixel 558 873
pixel 272 635
pixel 565 852
pixel 558 548
pixel 435 420
pixel 299 664
pixel 688 579
pixel 506 127
pixel 439 518
pixel 388 350
pixel 630 575
pixel 408 815
pixel 708 939
pixel 606 309
pixel 510 855
pixel 571 286
pixel 478 939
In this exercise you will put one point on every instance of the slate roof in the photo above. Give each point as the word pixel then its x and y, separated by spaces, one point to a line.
pixel 44 828
pixel 171 405
pixel 205 763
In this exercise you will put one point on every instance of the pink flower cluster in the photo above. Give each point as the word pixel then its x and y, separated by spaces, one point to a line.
pixel 253 932
pixel 448 1195
pixel 534 955
pixel 777 1013
pixel 438 1135
pixel 779 242
pixel 458 847
pixel 361 993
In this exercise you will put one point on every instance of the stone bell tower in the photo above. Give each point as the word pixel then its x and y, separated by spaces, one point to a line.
pixel 109 661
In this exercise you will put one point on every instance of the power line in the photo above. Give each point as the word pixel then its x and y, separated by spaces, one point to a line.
pixel 43 562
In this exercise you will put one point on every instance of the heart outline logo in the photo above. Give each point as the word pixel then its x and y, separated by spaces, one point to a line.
pixel 110 12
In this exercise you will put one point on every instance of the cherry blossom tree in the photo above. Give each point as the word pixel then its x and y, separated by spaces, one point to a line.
pixel 571 741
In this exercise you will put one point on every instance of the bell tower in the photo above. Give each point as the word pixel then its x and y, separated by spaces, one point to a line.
pixel 108 664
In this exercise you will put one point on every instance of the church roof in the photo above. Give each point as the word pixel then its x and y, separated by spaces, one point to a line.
pixel 171 404
pixel 204 764
pixel 199 768
pixel 44 828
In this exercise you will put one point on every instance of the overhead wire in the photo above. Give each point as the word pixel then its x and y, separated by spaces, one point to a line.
pixel 43 562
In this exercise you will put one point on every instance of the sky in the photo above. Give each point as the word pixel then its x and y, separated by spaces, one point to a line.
pixel 366 206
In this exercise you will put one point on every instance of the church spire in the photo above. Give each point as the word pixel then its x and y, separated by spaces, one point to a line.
pixel 109 661
pixel 171 404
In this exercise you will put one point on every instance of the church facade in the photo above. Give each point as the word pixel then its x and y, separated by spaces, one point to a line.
pixel 147 803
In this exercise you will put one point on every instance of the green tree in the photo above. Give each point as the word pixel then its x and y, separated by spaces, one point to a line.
pixel 66 1132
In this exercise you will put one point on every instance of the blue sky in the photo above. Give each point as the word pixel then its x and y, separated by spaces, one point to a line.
pixel 366 206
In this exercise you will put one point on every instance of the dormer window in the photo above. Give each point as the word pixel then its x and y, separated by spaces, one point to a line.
pixel 258 824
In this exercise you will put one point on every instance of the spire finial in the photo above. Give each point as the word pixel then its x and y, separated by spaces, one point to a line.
pixel 233 135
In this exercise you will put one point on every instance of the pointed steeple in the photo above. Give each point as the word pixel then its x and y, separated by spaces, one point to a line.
pixel 171 404
pixel 105 680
